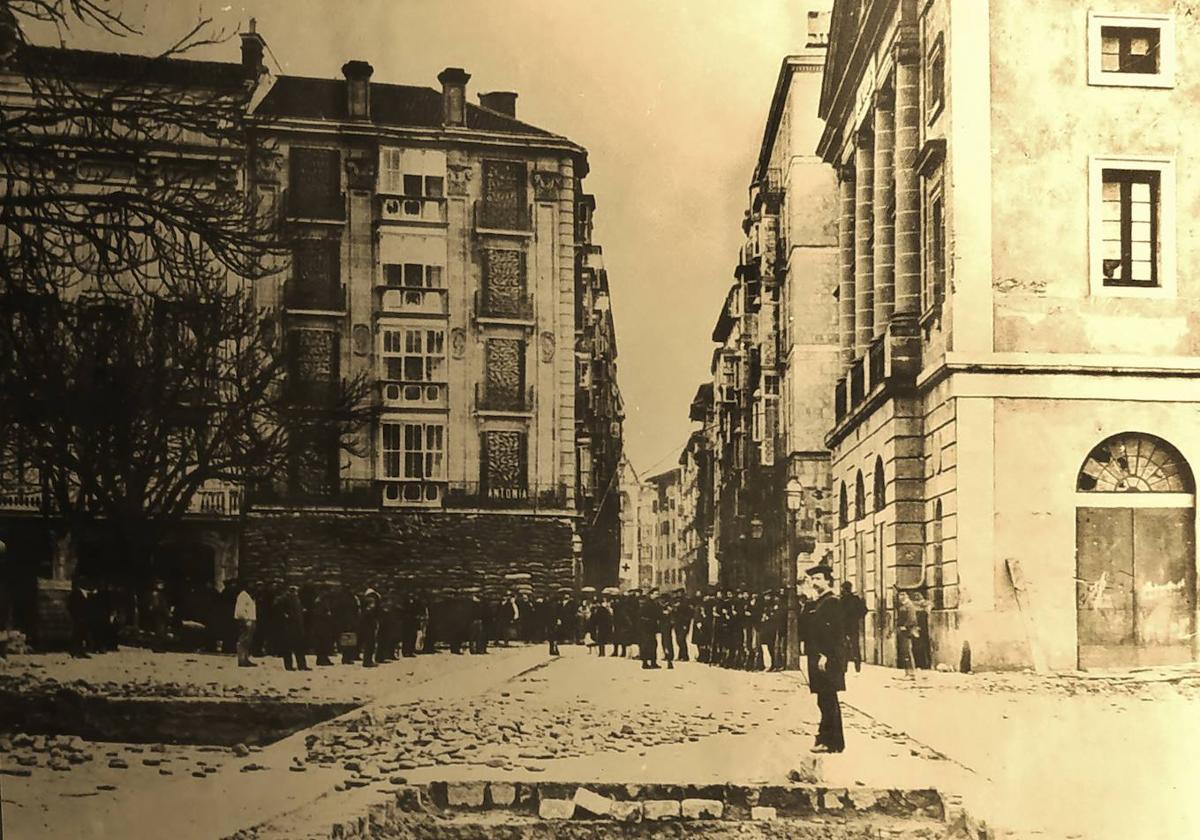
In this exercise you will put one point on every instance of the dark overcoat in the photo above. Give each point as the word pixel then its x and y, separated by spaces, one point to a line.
pixel 823 636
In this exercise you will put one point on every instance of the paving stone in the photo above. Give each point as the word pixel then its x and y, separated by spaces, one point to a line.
pixel 593 802
pixel 762 812
pixel 503 794
pixel 702 809
pixel 661 809
pixel 556 809
pixel 831 800
pixel 626 811
pixel 465 794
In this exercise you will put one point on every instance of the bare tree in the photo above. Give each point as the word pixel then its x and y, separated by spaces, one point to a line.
pixel 135 366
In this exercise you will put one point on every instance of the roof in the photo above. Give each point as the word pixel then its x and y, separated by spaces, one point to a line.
pixel 698 410
pixel 724 323
pixel 303 97
pixel 126 67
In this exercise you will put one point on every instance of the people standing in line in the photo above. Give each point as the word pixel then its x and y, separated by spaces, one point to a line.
pixel 245 614
pixel 854 613
pixel 290 616
pixel 907 631
pixel 368 627
pixel 824 635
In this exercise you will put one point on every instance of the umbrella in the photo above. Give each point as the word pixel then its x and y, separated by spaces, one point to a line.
pixel 611 590
pixel 588 590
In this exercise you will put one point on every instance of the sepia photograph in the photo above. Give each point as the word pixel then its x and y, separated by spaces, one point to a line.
pixel 311 398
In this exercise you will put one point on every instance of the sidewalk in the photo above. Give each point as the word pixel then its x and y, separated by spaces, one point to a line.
pixel 1054 758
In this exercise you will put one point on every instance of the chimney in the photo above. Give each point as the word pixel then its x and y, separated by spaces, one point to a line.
pixel 500 101
pixel 358 89
pixel 252 51
pixel 454 95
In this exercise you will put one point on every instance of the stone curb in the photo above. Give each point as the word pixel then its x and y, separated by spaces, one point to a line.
pixel 637 802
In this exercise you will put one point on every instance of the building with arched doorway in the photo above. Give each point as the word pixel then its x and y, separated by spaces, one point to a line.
pixel 1020 367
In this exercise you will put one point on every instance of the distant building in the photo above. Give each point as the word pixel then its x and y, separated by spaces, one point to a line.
pixel 1016 416
pixel 667 529
pixel 631 491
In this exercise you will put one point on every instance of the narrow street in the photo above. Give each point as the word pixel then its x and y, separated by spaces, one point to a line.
pixel 1010 744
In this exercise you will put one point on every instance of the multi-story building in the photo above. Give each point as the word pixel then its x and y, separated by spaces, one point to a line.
pixel 1016 416
pixel 599 410
pixel 436 251
pixel 694 514
pixel 665 530
pixel 766 411
pixel 630 487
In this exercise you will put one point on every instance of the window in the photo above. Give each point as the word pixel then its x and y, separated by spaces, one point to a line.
pixel 1131 50
pixel 879 490
pixel 413 276
pixel 935 80
pixel 316 275
pixel 843 508
pixel 413 451
pixel 1132 227
pixel 315 183
pixel 414 355
pixel 860 497
pixel 935 248
pixel 412 173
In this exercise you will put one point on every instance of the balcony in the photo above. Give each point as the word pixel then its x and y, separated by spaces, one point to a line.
pixel 24 498
pixel 410 210
pixel 890 366
pixel 413 301
pixel 413 493
pixel 354 494
pixel 491 217
pixel 504 310
pixel 324 209
pixel 481 496
pixel 216 498
pixel 325 298
pixel 503 402
pixel 406 394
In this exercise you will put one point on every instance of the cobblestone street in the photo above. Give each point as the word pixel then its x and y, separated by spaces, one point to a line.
pixel 518 715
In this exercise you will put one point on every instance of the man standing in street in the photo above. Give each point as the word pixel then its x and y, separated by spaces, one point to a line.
pixel 825 648
pixel 854 610
pixel 245 613
pixel 649 618
pixel 907 631
pixel 290 612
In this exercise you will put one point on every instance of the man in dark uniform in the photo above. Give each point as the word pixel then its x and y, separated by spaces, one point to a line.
pixel 602 626
pixel 649 619
pixel 290 613
pixel 681 617
pixel 666 629
pixel 825 646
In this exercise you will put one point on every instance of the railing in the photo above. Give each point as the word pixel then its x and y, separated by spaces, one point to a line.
pixel 504 308
pixel 839 399
pixel 330 297
pixel 405 394
pixel 492 216
pixel 24 498
pixel 329 208
pixel 217 499
pixel 490 497
pixel 410 208
pixel 520 401
pixel 400 299
pixel 347 493
pixel 856 381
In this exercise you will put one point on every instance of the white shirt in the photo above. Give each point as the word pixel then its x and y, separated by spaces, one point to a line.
pixel 245 609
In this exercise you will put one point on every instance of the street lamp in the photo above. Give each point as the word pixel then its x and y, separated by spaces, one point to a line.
pixel 793 494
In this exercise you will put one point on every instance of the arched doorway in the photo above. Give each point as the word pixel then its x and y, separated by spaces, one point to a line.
pixel 1135 554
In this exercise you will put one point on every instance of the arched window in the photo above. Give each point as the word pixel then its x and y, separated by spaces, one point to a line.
pixel 843 513
pixel 937 583
pixel 860 497
pixel 1134 463
pixel 878 490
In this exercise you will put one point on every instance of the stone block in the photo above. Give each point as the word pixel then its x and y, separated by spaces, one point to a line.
pixel 412 798
pixel 629 812
pixel 831 800
pixel 702 809
pixel 863 799
pixel 556 809
pixel 592 802
pixel 808 771
pixel 661 809
pixel 465 794
pixel 503 794
pixel 762 812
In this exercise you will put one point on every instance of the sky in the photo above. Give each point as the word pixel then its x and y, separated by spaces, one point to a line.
pixel 668 96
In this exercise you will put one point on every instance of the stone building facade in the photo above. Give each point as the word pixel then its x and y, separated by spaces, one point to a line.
pixel 1016 415
pixel 442 250
pixel 664 530
pixel 766 410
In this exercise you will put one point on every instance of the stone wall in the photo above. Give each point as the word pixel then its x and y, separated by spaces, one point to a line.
pixel 441 552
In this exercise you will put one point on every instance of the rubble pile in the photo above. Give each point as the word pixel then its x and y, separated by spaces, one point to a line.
pixel 509 733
